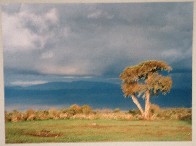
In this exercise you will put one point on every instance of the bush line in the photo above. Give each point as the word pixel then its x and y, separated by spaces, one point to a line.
pixel 86 112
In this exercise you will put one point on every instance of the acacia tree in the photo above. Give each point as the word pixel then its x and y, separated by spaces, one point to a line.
pixel 145 79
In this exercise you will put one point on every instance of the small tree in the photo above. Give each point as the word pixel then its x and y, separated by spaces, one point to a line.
pixel 145 79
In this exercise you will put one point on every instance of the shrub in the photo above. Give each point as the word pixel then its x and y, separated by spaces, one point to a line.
pixel 63 116
pixel 86 109
pixel 74 109
pixel 134 112
pixel 116 110
pixel 17 116
pixel 42 115
pixel 53 113
pixel 8 116
pixel 175 114
pixel 154 108
pixel 30 114
pixel 86 112
pixel 186 117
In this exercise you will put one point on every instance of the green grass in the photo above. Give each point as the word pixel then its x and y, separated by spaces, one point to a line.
pixel 100 130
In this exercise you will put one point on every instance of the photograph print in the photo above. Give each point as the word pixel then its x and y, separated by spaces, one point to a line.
pixel 97 72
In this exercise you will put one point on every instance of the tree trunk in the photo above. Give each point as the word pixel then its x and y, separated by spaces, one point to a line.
pixel 147 106
pixel 138 104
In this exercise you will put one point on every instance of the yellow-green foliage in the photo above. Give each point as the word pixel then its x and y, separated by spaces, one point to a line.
pixel 16 116
pixel 86 109
pixel 142 70
pixel 86 112
pixel 53 113
pixel 74 109
pixel 42 115
pixel 154 108
pixel 175 113
pixel 145 76
pixel 8 116
pixel 30 114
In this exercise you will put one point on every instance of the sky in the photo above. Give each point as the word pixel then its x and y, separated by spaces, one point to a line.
pixel 95 42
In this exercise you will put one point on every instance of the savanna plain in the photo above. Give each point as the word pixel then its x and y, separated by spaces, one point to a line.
pixel 83 124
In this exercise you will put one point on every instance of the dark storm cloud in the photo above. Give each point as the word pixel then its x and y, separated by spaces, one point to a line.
pixel 96 39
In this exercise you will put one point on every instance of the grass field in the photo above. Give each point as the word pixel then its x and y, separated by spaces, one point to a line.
pixel 100 130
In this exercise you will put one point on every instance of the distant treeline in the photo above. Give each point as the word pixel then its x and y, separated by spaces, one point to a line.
pixel 86 112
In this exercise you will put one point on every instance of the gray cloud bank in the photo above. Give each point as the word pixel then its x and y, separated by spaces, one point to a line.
pixel 95 39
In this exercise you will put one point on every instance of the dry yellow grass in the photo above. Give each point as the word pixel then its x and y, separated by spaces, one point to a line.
pixel 86 112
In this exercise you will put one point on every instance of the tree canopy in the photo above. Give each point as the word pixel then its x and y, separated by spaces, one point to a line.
pixel 145 76
pixel 146 79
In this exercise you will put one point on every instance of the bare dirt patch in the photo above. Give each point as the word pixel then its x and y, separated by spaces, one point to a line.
pixel 44 133
pixel 138 125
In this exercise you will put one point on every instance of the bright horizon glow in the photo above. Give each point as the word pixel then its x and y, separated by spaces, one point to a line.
pixel 27 83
